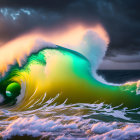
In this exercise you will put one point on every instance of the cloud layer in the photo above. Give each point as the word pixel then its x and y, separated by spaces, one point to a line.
pixel 120 18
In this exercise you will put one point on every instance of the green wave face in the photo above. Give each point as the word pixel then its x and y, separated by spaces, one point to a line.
pixel 63 75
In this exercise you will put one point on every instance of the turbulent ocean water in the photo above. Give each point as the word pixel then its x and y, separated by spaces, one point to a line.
pixel 54 95
pixel 54 92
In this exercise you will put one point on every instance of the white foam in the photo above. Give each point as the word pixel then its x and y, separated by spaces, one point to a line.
pixel 21 48
pixel 93 47
pixel 101 79
pixel 35 127
pixel 129 131
pixel 103 127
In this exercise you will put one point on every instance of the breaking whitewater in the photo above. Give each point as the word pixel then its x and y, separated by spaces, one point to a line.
pixel 43 118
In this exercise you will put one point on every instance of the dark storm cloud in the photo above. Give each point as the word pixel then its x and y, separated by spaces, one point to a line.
pixel 121 19
pixel 50 4
pixel 14 22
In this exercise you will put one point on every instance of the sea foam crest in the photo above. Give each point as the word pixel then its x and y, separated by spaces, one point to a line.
pixel 36 127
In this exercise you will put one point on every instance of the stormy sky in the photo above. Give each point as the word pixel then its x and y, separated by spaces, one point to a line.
pixel 120 18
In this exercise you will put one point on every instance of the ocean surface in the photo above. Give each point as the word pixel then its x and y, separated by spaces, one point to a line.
pixel 80 121
pixel 119 76
pixel 53 94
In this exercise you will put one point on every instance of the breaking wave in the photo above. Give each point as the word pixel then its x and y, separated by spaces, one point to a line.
pixel 53 92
